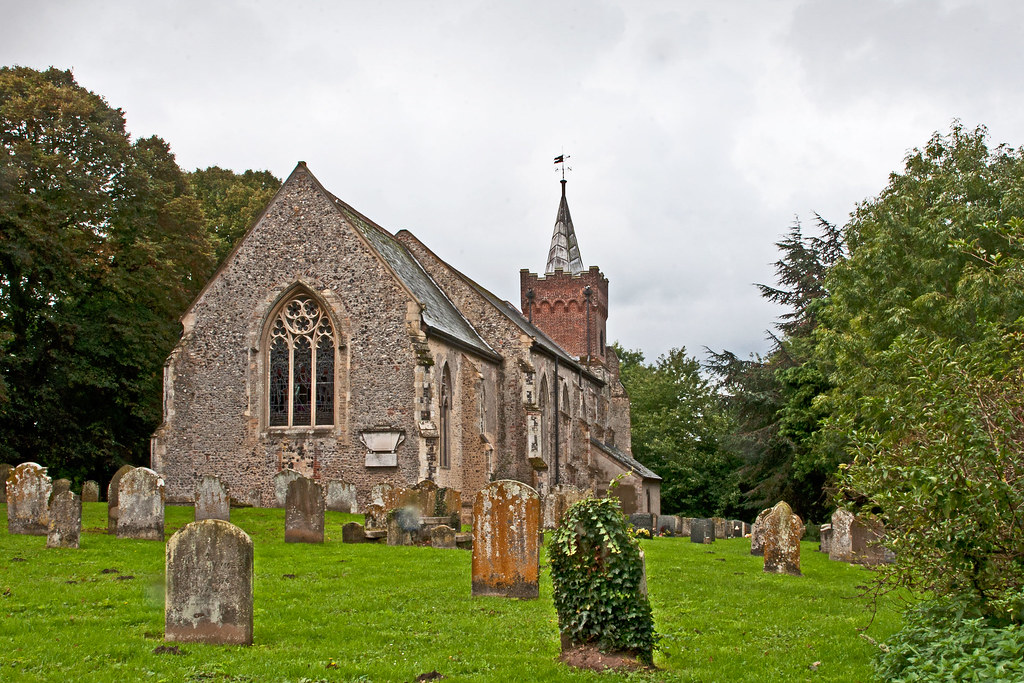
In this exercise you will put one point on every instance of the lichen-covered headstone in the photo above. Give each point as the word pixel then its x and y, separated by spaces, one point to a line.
pixel 304 512
pixel 560 499
pixel 353 532
pixel 442 536
pixel 782 533
pixel 404 526
pixel 212 499
pixel 65 521
pixel 841 548
pixel 720 526
pixel 375 516
pixel 702 531
pixel 90 492
pixel 825 538
pixel 140 506
pixel 5 471
pixel 112 497
pixel 28 496
pixel 60 486
pixel 506 540
pixel 757 533
pixel 281 481
pixel 209 584
pixel 341 496
pixel 685 525
pixel 382 494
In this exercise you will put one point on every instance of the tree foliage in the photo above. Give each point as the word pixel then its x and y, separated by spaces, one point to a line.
pixel 102 247
pixel 677 425
pixel 231 202
pixel 924 327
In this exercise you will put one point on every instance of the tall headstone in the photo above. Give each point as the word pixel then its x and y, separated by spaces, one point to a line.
pixel 841 548
pixel 304 512
pixel 782 534
pixel 65 521
pixel 685 525
pixel 5 471
pixel 281 481
pixel 735 529
pixel 506 540
pixel 721 527
pixel 757 533
pixel 208 597
pixel 868 532
pixel 140 506
pixel 112 497
pixel 90 492
pixel 702 531
pixel 341 496
pixel 60 486
pixel 825 538
pixel 212 499
pixel 28 496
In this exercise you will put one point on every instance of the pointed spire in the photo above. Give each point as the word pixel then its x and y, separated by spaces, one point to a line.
pixel 564 253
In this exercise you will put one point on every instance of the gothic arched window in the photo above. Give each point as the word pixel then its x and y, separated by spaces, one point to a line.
pixel 444 459
pixel 301 352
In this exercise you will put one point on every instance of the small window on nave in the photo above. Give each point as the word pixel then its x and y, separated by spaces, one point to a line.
pixel 301 362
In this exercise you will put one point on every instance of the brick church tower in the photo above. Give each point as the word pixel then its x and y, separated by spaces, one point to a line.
pixel 568 303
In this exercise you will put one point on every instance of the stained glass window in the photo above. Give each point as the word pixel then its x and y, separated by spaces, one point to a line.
pixel 301 382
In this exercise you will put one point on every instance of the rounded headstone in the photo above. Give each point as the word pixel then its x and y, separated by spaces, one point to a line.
pixel 209 597
pixel 212 499
pixel 782 533
pixel 442 536
pixel 140 505
pixel 90 492
pixel 60 486
pixel 28 496
pixel 841 547
pixel 112 497
pixel 757 533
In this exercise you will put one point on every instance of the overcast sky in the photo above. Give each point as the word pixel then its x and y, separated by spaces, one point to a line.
pixel 697 131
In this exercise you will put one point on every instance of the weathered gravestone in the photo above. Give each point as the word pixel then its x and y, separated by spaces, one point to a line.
pixel 281 481
pixel 757 533
pixel 304 512
pixel 841 548
pixel 208 596
pixel 442 537
pixel 5 471
pixel 702 531
pixel 825 538
pixel 868 532
pixel 782 533
pixel 28 495
pixel 341 496
pixel 403 526
pixel 506 540
pixel 112 497
pixel 353 532
pixel 375 516
pixel 212 499
pixel 140 506
pixel 644 520
pixel 735 529
pixel 383 494
pixel 59 486
pixel 721 527
pixel 669 524
pixel 560 499
pixel 90 492
pixel 685 525
pixel 65 521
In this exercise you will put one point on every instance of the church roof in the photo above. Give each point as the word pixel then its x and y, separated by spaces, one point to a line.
pixel 564 253
pixel 625 460
pixel 439 313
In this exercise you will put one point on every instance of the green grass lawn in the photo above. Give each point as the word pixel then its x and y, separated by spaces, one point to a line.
pixel 337 612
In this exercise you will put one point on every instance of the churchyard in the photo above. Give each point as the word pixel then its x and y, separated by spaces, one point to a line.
pixel 373 612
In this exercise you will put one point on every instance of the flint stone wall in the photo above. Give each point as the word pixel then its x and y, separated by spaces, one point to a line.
pixel 65 528
pixel 209 597
pixel 506 541
pixel 140 505
pixel 28 496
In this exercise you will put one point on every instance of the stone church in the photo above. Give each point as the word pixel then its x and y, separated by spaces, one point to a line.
pixel 328 345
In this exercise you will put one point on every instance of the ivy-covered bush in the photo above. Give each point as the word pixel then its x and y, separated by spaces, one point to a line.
pixel 947 640
pixel 596 572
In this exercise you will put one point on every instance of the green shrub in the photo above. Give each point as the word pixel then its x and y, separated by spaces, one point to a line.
pixel 596 572
pixel 947 640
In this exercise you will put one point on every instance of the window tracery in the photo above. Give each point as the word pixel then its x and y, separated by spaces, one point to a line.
pixel 301 352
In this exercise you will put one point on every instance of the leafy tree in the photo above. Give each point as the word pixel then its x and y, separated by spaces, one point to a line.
pixel 231 202
pixel 774 399
pixel 924 323
pixel 101 248
pixel 677 424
